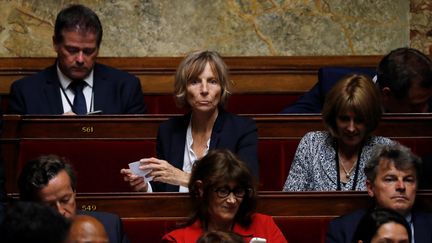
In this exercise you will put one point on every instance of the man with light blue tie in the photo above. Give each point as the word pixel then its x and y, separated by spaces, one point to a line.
pixel 101 89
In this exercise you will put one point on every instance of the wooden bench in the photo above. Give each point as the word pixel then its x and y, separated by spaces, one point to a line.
pixel 269 83
pixel 104 144
pixel 302 217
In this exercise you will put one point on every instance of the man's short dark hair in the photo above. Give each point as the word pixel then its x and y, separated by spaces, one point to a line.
pixel 398 69
pixel 79 18
pixel 37 173
pixel 33 222
pixel 399 155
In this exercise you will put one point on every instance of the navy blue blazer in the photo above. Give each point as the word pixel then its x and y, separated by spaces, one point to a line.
pixel 3 196
pixel 115 92
pixel 313 100
pixel 112 223
pixel 425 178
pixel 238 134
pixel 342 229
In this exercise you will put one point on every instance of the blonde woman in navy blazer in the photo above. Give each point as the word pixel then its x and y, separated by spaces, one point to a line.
pixel 201 85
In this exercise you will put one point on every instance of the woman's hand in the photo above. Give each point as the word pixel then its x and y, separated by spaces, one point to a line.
pixel 163 171
pixel 136 182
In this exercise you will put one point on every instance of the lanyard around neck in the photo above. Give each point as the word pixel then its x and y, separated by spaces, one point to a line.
pixel 71 104
pixel 339 187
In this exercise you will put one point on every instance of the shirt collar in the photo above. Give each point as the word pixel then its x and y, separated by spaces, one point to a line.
pixel 408 218
pixel 65 81
pixel 189 138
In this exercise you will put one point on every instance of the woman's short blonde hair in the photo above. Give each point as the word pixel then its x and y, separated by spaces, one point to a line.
pixel 355 93
pixel 192 66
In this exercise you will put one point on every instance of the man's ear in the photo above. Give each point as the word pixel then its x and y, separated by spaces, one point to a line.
pixel 369 187
pixel 200 186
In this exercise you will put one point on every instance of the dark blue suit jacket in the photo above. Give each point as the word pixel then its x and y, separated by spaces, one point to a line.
pixel 342 229
pixel 112 223
pixel 115 92
pixel 238 134
pixel 2 191
pixel 425 179
pixel 313 100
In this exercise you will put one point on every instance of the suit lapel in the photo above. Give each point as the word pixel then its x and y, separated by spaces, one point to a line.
pixel 178 147
pixel 179 141
pixel 217 129
pixel 422 232
pixel 328 162
pixel 100 88
pixel 51 92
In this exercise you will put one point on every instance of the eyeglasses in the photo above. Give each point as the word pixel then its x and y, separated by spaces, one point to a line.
pixel 240 192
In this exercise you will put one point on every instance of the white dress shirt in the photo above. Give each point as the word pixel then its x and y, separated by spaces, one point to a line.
pixel 65 90
pixel 189 155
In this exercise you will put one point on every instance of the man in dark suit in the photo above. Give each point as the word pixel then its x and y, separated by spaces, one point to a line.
pixel 51 181
pixel 392 178
pixel 426 179
pixel 76 84
pixel 2 191
pixel 404 77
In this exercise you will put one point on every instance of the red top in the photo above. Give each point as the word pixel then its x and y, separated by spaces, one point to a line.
pixel 262 226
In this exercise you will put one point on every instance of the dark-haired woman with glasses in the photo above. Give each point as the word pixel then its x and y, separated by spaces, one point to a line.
pixel 223 193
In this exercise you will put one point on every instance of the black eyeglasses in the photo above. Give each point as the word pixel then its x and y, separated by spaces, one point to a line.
pixel 240 192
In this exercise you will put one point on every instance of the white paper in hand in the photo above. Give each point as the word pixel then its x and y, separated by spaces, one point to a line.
pixel 134 167
pixel 257 240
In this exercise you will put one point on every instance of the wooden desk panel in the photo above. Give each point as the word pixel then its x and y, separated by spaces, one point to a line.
pixel 306 204
pixel 146 126
pixel 412 130
pixel 253 78
pixel 150 216
pixel 249 74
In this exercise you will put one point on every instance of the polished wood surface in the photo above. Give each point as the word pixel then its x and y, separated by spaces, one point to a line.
pixel 307 204
pixel 302 217
pixel 278 139
pixel 146 126
pixel 249 74
pixel 178 205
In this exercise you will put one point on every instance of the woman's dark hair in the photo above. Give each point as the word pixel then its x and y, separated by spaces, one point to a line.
pixel 216 169
pixel 220 237
pixel 374 219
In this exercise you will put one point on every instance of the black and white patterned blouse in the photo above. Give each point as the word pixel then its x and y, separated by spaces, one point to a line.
pixel 314 164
